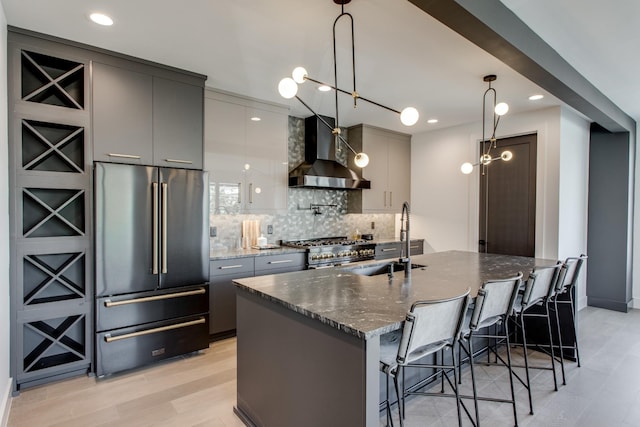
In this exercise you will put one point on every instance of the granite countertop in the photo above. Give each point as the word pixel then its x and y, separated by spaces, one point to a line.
pixel 366 306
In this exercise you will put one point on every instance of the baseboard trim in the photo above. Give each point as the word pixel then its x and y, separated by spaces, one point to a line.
pixel 5 404
pixel 608 304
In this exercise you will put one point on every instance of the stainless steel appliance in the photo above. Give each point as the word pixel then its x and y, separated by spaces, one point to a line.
pixel 333 251
pixel 152 264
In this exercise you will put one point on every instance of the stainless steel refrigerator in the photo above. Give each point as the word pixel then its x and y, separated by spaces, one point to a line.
pixel 152 264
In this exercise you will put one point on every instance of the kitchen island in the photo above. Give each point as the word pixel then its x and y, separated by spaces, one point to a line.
pixel 309 342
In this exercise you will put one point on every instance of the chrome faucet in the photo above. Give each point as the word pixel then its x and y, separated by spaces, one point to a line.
pixel 405 256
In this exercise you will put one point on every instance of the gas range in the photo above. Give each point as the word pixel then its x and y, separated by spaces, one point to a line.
pixel 333 251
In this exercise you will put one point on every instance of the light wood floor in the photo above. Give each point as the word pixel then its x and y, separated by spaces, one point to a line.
pixel 201 390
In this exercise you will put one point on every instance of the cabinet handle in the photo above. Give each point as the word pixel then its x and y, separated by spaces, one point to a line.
pixel 124 156
pixel 251 192
pixel 226 267
pixel 283 261
pixel 239 193
pixel 414 247
pixel 390 199
pixel 199 291
pixel 187 162
pixel 109 338
pixel 390 250
pixel 385 199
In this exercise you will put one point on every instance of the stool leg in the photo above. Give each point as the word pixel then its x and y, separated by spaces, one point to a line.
pixel 473 379
pixel 400 397
pixel 575 330
pixel 560 347
pixel 513 394
pixel 526 361
pixel 553 359
pixel 388 404
pixel 455 384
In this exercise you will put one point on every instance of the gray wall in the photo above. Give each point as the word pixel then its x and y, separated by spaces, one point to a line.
pixel 609 230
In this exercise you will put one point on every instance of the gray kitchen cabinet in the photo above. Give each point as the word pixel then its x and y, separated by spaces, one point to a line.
pixel 282 263
pixel 143 119
pixel 122 115
pixel 222 293
pixel 388 250
pixel 246 154
pixel 50 212
pixel 178 124
pixel 389 169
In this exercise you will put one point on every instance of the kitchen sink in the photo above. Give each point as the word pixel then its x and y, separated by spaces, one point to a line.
pixel 382 268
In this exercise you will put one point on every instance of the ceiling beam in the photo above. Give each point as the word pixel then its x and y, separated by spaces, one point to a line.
pixel 495 28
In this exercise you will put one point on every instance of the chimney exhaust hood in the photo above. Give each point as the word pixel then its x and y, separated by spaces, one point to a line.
pixel 320 168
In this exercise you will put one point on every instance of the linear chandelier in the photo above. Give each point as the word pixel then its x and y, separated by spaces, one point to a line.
pixel 288 88
pixel 499 110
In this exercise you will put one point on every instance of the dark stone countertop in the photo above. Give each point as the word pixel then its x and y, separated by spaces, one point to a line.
pixel 366 306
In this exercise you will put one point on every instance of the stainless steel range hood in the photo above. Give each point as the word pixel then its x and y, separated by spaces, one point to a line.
pixel 320 168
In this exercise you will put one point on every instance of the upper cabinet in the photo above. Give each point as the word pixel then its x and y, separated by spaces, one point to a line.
pixel 389 169
pixel 144 119
pixel 245 154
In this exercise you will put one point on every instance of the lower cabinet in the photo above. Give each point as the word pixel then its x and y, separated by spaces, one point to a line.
pixel 222 296
pixel 394 249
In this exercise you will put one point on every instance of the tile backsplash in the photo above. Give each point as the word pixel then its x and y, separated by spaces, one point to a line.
pixel 301 221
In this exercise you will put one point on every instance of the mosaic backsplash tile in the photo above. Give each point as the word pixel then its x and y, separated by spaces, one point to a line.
pixel 301 221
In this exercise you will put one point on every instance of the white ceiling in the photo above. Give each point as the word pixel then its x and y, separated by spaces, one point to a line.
pixel 403 56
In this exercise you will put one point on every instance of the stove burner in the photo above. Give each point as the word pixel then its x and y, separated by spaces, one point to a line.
pixel 330 251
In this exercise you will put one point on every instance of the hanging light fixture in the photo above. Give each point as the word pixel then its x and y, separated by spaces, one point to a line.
pixel 499 110
pixel 288 88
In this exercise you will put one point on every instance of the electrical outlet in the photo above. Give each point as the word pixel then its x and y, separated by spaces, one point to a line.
pixel 373 225
pixel 269 229
pixel 213 231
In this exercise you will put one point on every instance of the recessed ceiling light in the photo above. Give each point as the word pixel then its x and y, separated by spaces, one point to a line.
pixel 255 119
pixel 432 121
pixel 324 88
pixel 535 97
pixel 101 19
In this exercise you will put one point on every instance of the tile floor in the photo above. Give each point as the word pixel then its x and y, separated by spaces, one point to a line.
pixel 200 390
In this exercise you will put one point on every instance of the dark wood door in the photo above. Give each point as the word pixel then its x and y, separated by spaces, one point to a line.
pixel 508 199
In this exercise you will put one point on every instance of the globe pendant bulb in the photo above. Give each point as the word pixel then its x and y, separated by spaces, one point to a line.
pixel 466 168
pixel 409 116
pixel 361 160
pixel 287 88
pixel 299 75
pixel 506 156
pixel 501 108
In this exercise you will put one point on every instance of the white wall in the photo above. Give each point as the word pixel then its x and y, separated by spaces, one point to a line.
pixel 445 201
pixel 574 183
pixel 5 380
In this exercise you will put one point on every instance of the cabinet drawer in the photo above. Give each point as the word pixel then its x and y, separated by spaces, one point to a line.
pixel 129 348
pixel 416 247
pixel 232 266
pixel 279 263
pixel 388 250
pixel 144 307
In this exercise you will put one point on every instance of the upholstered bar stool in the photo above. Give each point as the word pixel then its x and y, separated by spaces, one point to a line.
pixel 538 290
pixel 429 327
pixel 564 296
pixel 493 305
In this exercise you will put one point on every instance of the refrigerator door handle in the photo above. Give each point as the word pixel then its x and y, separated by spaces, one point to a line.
pixel 154 243
pixel 164 227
